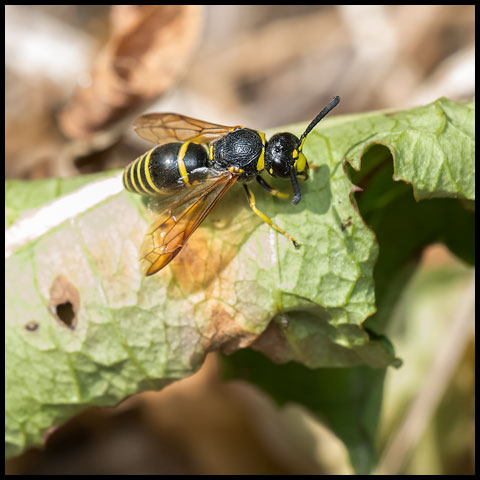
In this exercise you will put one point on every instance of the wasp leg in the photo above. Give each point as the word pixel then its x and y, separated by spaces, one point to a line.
pixel 270 190
pixel 267 220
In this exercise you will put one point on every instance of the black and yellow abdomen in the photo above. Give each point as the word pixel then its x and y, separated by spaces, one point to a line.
pixel 166 166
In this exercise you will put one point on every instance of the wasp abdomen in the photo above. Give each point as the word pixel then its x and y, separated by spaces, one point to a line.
pixel 163 167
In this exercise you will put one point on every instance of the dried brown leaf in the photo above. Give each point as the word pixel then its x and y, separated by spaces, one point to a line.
pixel 148 49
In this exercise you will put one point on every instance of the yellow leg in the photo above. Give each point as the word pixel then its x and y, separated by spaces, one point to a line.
pixel 267 220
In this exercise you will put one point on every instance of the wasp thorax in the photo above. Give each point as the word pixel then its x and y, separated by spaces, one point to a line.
pixel 240 149
pixel 279 154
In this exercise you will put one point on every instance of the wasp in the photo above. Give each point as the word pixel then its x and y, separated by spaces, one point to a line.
pixel 192 167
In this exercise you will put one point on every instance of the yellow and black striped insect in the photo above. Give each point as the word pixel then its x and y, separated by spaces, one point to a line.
pixel 195 163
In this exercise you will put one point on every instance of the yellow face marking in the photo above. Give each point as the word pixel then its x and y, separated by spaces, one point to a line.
pixel 235 169
pixel 210 152
pixel 181 164
pixel 261 158
pixel 147 172
pixel 301 163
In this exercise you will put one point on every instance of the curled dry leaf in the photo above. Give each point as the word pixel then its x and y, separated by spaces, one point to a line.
pixel 148 49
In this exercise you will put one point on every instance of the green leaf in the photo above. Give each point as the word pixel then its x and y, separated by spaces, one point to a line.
pixel 21 196
pixel 84 327
pixel 403 226
pixel 433 147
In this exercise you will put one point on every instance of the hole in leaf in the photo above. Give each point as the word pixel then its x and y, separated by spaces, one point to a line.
pixel 64 301
pixel 65 313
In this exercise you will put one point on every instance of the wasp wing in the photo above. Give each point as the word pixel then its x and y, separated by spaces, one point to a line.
pixel 163 128
pixel 168 233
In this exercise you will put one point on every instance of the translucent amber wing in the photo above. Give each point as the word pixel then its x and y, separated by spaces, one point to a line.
pixel 170 231
pixel 163 128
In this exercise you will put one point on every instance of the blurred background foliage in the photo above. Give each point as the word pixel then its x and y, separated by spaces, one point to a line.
pixel 76 76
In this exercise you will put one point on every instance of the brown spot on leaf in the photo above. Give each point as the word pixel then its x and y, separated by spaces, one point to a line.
pixel 201 260
pixel 64 301
pixel 224 332
pixel 31 326
pixel 214 245
pixel 273 344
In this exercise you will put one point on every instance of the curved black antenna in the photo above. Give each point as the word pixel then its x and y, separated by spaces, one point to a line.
pixel 330 106
pixel 297 194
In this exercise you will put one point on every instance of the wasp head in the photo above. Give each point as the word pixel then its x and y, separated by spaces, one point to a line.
pixel 284 159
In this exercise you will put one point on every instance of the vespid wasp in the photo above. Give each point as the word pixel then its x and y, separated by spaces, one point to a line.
pixel 195 163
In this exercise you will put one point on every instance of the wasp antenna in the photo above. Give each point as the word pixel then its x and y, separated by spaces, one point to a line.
pixel 335 101
pixel 297 193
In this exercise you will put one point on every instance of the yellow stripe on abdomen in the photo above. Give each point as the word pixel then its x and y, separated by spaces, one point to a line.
pixel 139 176
pixel 181 164
pixel 131 170
pixel 147 172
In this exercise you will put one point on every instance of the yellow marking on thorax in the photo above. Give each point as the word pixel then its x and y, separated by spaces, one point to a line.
pixel 147 172
pixel 261 158
pixel 181 164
